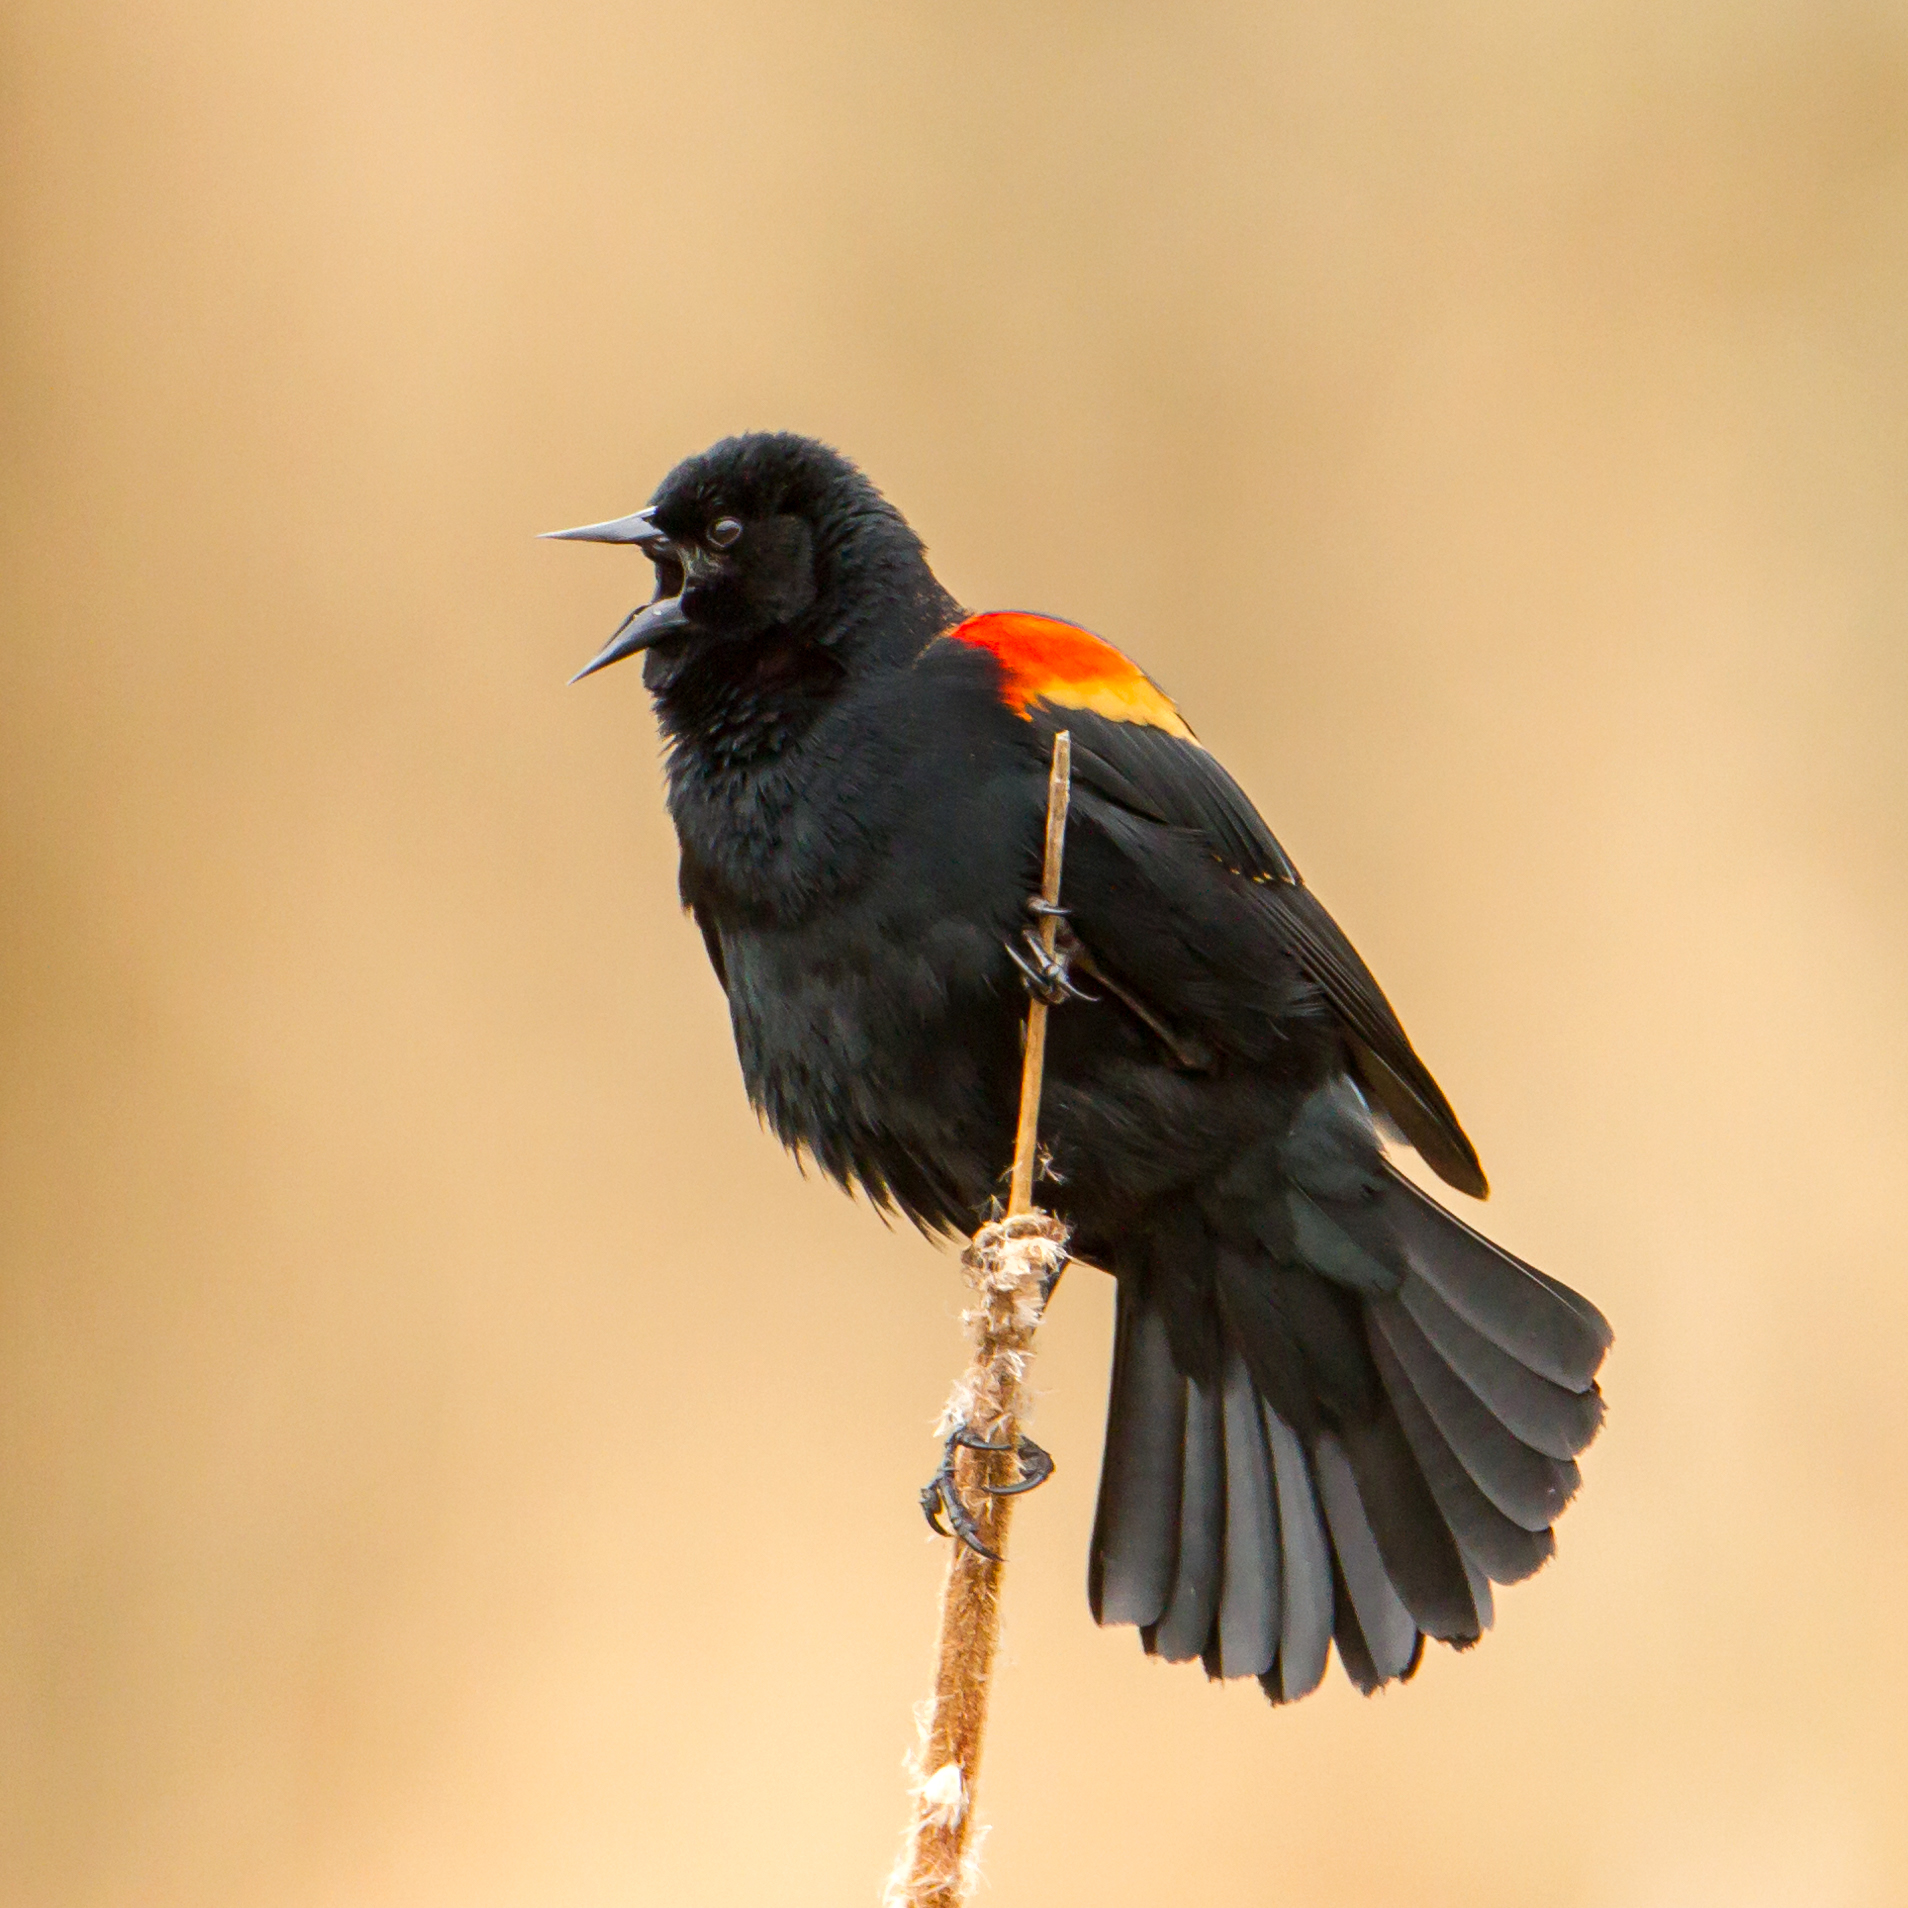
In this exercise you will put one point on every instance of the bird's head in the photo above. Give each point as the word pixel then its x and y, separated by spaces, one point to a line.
pixel 765 538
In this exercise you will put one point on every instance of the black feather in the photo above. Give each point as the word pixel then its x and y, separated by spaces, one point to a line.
pixel 1172 780
pixel 1184 1628
pixel 1273 1355
pixel 1539 1322
pixel 1386 1060
pixel 1384 1624
pixel 1529 1488
pixel 1353 1651
pixel 1420 1554
pixel 1548 1418
pixel 1503 1550
pixel 1334 1203
pixel 1247 1632
pixel 1305 1626
pixel 1302 1337
pixel 1136 1530
pixel 1481 1597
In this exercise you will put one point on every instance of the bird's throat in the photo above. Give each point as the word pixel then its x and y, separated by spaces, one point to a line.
pixel 733 703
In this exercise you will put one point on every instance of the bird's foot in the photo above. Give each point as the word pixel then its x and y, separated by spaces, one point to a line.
pixel 1048 975
pixel 941 1495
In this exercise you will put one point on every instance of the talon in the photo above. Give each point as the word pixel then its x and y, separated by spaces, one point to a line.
pixel 940 1497
pixel 931 1508
pixel 1045 974
pixel 958 1515
pixel 1037 972
pixel 1066 950
pixel 1036 1466
pixel 1044 910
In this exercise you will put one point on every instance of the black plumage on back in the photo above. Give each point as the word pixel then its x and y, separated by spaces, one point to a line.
pixel 1337 1413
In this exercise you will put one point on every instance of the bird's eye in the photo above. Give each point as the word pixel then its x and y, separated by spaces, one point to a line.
pixel 725 531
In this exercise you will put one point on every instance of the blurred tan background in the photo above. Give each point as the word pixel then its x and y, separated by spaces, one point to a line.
pixel 1490 421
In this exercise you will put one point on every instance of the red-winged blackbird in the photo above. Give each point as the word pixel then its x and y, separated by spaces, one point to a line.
pixel 1337 1413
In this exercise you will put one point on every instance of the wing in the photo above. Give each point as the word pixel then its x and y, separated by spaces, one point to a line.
pixel 1382 1054
pixel 1132 749
pixel 1170 780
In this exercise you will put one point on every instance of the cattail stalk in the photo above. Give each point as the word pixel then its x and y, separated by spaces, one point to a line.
pixel 1011 1264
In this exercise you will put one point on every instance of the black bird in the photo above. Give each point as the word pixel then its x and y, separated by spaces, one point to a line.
pixel 1338 1414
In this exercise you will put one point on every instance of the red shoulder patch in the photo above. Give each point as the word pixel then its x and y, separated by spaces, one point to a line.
pixel 1045 660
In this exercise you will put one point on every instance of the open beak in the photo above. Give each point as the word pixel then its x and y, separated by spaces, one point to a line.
pixel 656 619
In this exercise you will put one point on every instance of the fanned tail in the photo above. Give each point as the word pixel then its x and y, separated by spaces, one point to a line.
pixel 1344 1438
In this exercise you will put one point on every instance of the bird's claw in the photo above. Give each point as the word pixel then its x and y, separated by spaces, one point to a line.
pixel 941 1495
pixel 1036 1466
pixel 1047 975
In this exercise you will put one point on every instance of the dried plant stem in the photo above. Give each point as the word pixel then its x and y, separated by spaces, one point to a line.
pixel 1034 1061
pixel 1011 1265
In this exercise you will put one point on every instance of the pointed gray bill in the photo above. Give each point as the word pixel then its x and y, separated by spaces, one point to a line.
pixel 638 529
pixel 638 630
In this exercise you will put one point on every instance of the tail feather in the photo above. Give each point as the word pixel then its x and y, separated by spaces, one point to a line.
pixel 1529 1488
pixel 1542 1324
pixel 1247 1637
pixel 1291 1329
pixel 1548 1418
pixel 1504 1551
pixel 1418 1551
pixel 1481 1598
pixel 1385 1626
pixel 1354 1653
pixel 1136 1533
pixel 1305 1628
pixel 1599 1325
pixel 1184 1629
